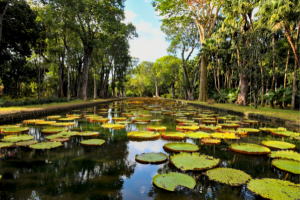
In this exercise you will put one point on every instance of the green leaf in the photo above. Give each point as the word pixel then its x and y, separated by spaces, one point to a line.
pixel 228 176
pixel 278 145
pixel 151 157
pixel 287 165
pixel 181 146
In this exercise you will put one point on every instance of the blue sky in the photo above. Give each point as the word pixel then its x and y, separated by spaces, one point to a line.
pixel 151 43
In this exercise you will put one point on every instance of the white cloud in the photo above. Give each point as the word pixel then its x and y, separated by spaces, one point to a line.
pixel 151 44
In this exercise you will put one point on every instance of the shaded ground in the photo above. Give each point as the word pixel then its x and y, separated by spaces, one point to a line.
pixel 267 111
pixel 15 110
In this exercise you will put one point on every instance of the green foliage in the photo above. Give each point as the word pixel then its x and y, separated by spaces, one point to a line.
pixel 170 180
pixel 45 145
pixel 248 148
pixel 228 95
pixel 17 138
pixel 286 155
pixel 278 145
pixel 228 176
pixel 15 103
pixel 274 189
pixel 181 146
pixel 93 142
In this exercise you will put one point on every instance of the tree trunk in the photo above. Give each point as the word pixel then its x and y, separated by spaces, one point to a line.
pixel 218 72
pixel 68 87
pixel 293 105
pixel 1 18
pixel 156 89
pixel 85 72
pixel 95 83
pixel 286 68
pixel 173 90
pixel 203 80
pixel 243 95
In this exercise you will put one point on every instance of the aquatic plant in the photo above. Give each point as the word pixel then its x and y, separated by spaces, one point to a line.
pixel 291 166
pixel 181 146
pixel 170 180
pixel 45 145
pixel 151 158
pixel 248 148
pixel 17 138
pixel 228 176
pixel 278 145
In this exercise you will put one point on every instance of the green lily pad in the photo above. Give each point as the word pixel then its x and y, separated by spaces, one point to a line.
pixel 68 119
pixel 53 130
pixel 156 128
pixel 274 189
pixel 6 144
pixel 50 137
pixel 278 145
pixel 295 136
pixel 250 121
pixel 250 149
pixel 195 161
pixel 93 142
pixel 173 135
pixel 181 146
pixel 250 130
pixel 16 130
pixel 123 122
pixel 17 138
pixel 197 135
pixel 210 127
pixel 67 134
pixel 8 126
pixel 170 180
pixel 155 120
pixel 228 176
pixel 224 136
pixel 210 141
pixel 87 134
pixel 283 133
pixel 292 155
pixel 26 143
pixel 229 125
pixel 291 166
pixel 144 135
pixel 266 129
pixel 45 145
pixel 62 124
pixel 151 157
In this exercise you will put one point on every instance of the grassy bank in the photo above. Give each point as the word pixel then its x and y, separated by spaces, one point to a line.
pixel 11 110
pixel 267 111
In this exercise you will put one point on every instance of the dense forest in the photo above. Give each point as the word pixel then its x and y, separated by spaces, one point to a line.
pixel 247 51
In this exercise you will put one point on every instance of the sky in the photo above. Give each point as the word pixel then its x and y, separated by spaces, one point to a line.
pixel 151 43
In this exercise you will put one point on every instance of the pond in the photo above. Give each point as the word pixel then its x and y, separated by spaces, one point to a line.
pixel 110 171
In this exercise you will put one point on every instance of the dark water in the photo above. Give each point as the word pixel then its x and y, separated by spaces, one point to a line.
pixel 110 171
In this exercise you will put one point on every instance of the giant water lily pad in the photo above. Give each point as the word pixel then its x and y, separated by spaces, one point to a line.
pixel 249 130
pixel 274 189
pixel 155 120
pixel 32 121
pixel 92 142
pixel 210 127
pixel 229 176
pixel 144 135
pixel 266 129
pixel 99 120
pixel 195 161
pixel 16 130
pixel 282 133
pixel 53 130
pixel 62 124
pixel 181 146
pixel 54 117
pixel 229 125
pixel 60 139
pixel 44 123
pixel 8 126
pixel 295 136
pixel 67 134
pixel 187 128
pixel 151 157
pixel 119 118
pixel 248 148
pixel 287 165
pixel 170 180
pixel 251 121
pixel 45 145
pixel 278 145
pixel 68 119
pixel 87 134
pixel 6 144
pixel 26 143
pixel 224 136
pixel 292 155
pixel 156 128
pixel 197 135
pixel 17 138
pixel 237 132
pixel 173 135
pixel 113 126
pixel 210 141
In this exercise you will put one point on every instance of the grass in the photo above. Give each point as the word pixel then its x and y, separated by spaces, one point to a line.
pixel 267 111
pixel 10 110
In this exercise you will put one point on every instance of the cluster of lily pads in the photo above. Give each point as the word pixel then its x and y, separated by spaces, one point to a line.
pixel 207 126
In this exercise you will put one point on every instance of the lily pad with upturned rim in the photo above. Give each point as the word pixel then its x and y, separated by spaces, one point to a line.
pixel 92 142
pixel 156 128
pixel 26 143
pixel 291 166
pixel 32 121
pixel 170 180
pixel 155 120
pixel 68 119
pixel 151 158
pixel 248 148
pixel 278 145
pixel 60 139
pixel 87 134
pixel 181 147
pixel 54 117
pixel 113 126
pixel 17 138
pixel 46 145
pixel 228 176
pixel 44 123
pixel 197 135
pixel 210 127
pixel 17 130
pixel 144 135
pixel 292 155
pixel 211 141
pixel 6 144
pixel 173 135
pixel 119 119
pixel 53 130
pixel 62 124
pixel 187 128
pixel 250 130
pixel 274 189
pixel 282 133
pixel 224 136
pixel 194 161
